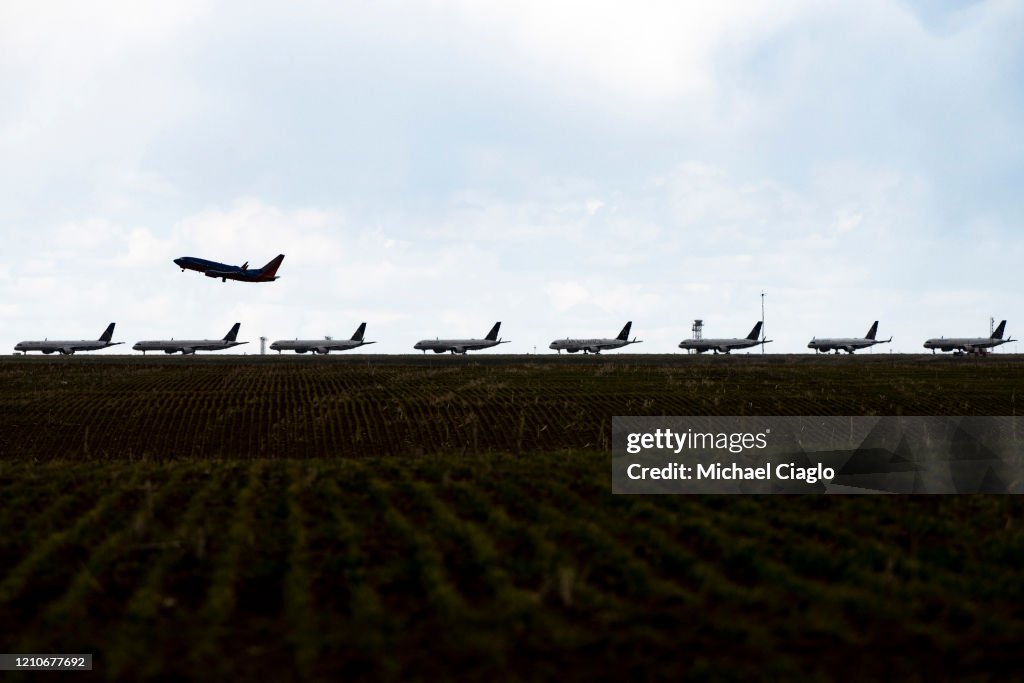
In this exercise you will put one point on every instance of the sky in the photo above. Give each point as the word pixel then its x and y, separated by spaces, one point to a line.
pixel 433 167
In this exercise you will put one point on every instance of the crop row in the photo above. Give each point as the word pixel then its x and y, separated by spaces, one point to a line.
pixel 382 568
pixel 111 411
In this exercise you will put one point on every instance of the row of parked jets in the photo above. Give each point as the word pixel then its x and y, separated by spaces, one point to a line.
pixel 958 345
pixel 268 273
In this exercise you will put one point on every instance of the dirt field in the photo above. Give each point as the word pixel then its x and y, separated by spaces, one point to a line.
pixel 440 518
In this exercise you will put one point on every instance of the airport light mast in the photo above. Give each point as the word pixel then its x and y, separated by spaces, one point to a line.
pixel 764 335
pixel 698 332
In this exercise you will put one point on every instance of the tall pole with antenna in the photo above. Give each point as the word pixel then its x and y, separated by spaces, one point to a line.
pixel 763 333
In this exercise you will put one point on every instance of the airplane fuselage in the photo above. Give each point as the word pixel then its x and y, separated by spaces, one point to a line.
pixel 201 265
pixel 719 345
pixel 455 345
pixel 185 346
pixel 318 346
pixel 964 344
pixel 843 344
pixel 65 348
pixel 588 345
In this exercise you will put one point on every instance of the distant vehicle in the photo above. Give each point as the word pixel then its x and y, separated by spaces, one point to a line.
pixel 460 345
pixel 964 345
pixel 267 273
pixel 68 348
pixel 848 344
pixel 322 346
pixel 188 346
pixel 725 345
pixel 595 345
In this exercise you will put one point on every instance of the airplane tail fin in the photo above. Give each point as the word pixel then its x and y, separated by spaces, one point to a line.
pixel 233 334
pixel 756 332
pixel 998 334
pixel 358 336
pixel 493 334
pixel 872 332
pixel 107 333
pixel 624 335
pixel 270 270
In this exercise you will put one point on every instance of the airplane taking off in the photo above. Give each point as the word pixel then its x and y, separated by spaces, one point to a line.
pixel 964 345
pixel 595 345
pixel 849 345
pixel 725 345
pixel 322 346
pixel 191 345
pixel 267 273
pixel 68 348
pixel 461 345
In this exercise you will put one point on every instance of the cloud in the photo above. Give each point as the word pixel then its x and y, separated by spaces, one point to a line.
pixel 565 295
pixel 560 166
pixel 647 51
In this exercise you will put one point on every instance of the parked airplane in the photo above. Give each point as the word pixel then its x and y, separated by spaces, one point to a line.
pixel 849 345
pixel 963 345
pixel 322 346
pixel 725 345
pixel 191 345
pixel 595 345
pixel 68 348
pixel 267 273
pixel 461 345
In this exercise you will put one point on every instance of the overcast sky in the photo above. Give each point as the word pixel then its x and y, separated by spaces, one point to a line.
pixel 560 166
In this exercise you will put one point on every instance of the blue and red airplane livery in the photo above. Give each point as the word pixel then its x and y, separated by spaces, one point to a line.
pixel 267 273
